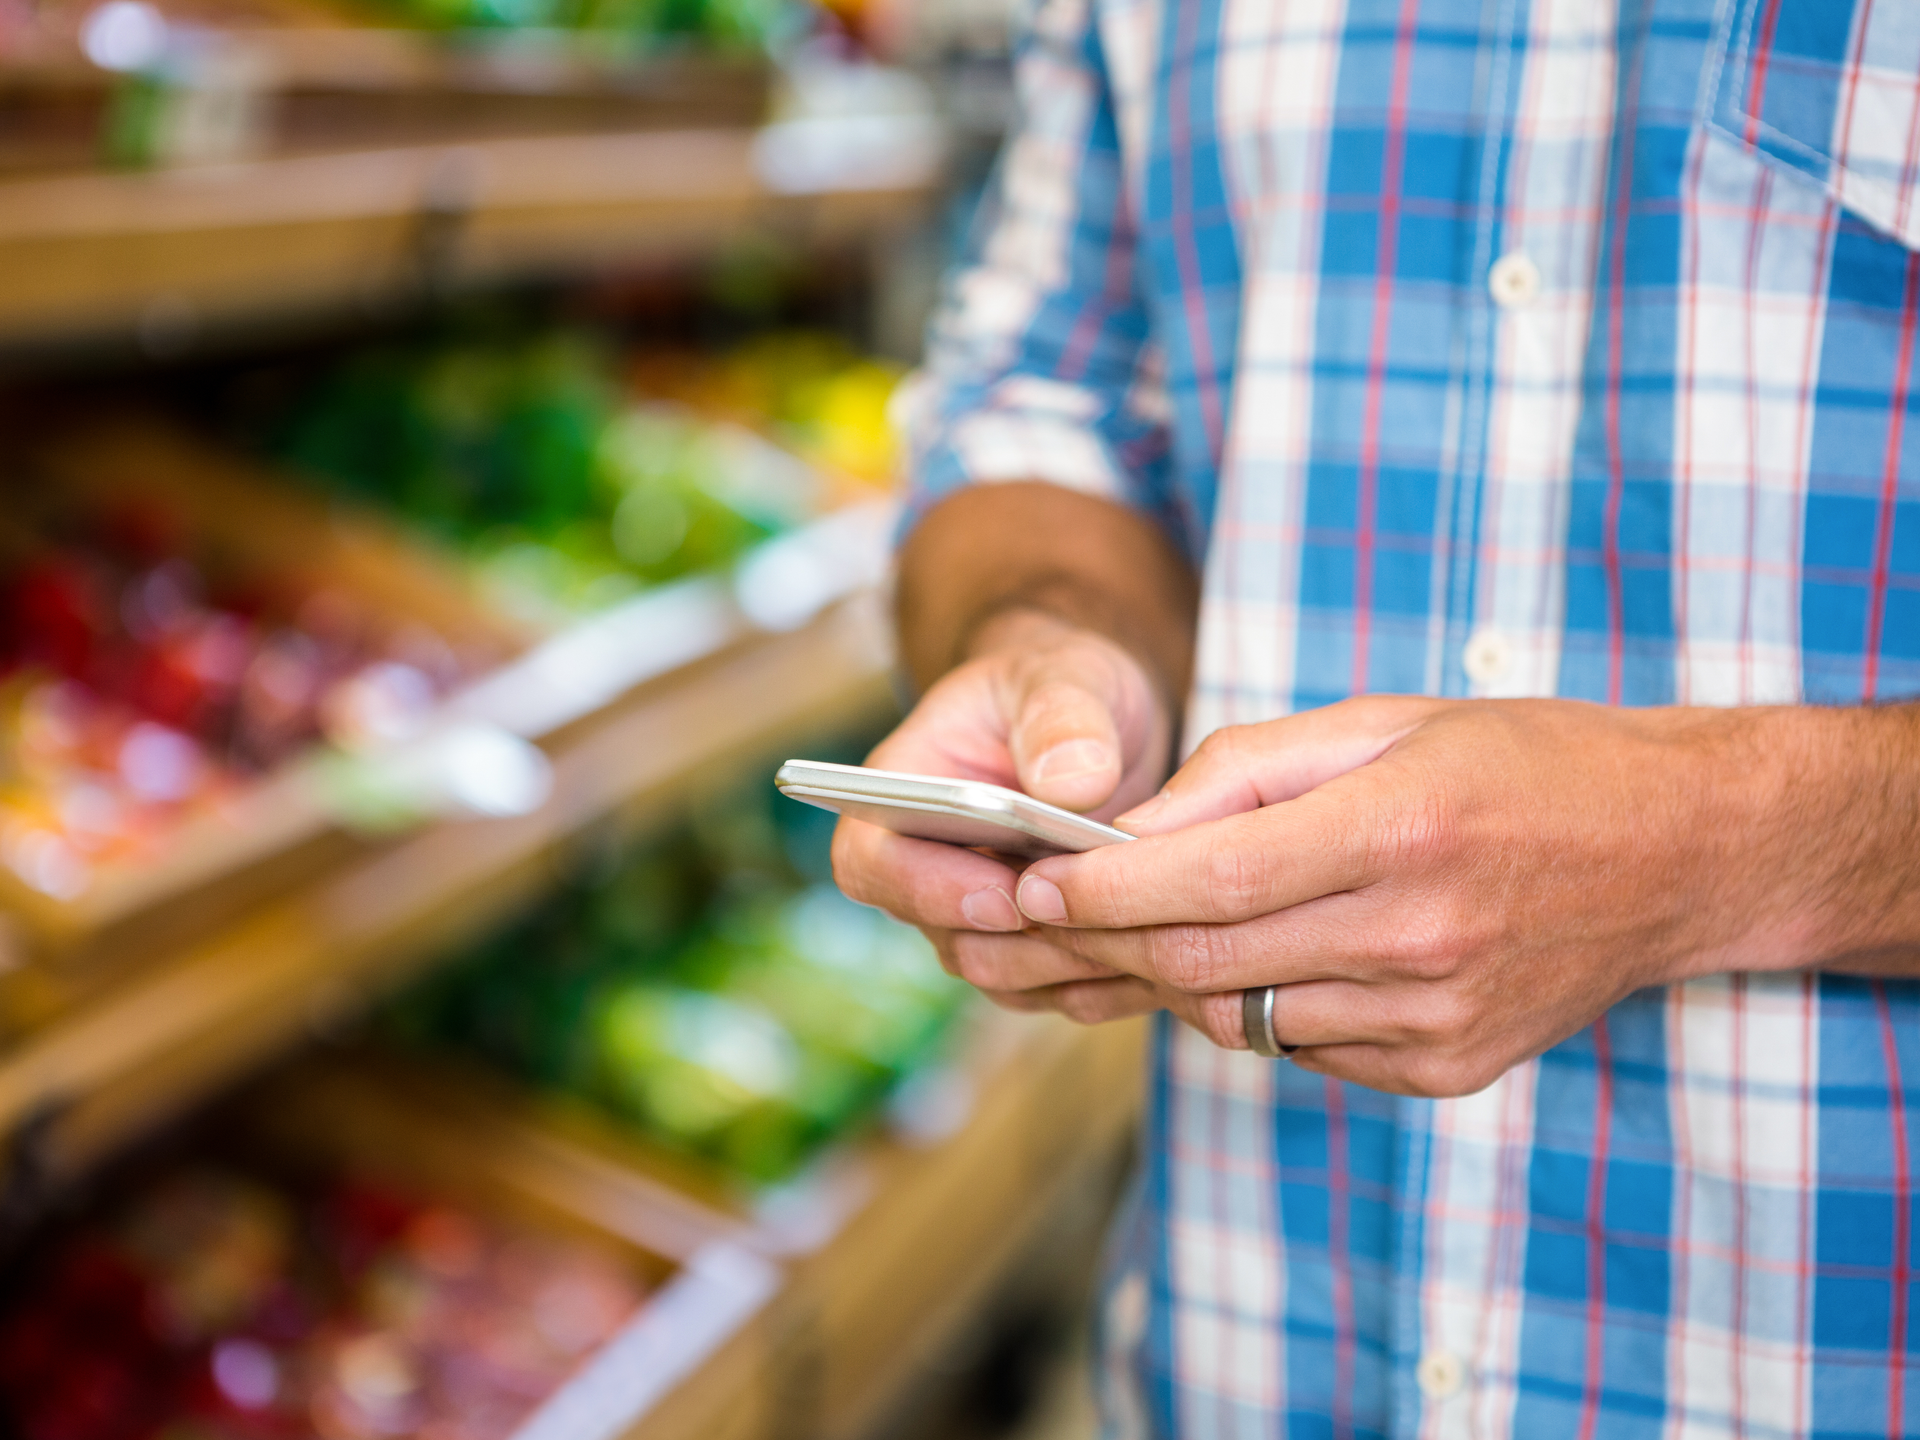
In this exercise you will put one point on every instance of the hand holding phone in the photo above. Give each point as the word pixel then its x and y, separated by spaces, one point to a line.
pixel 972 813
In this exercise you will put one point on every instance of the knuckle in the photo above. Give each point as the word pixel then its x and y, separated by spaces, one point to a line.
pixel 975 960
pixel 846 869
pixel 1234 882
pixel 1441 1075
pixel 853 868
pixel 1018 1004
pixel 1220 747
pixel 1082 1004
pixel 1448 1019
pixel 1414 827
pixel 1220 1021
pixel 1430 946
pixel 1191 957
pixel 943 949
pixel 1430 1078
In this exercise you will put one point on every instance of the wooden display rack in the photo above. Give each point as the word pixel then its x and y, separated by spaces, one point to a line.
pixel 888 1248
pixel 105 1051
pixel 168 254
pixel 310 88
pixel 278 533
pixel 818 1310
pixel 881 1257
pixel 693 1364
pixel 286 824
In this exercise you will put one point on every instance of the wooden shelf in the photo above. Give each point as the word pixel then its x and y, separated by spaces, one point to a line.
pixel 166 255
pixel 890 1246
pixel 125 1047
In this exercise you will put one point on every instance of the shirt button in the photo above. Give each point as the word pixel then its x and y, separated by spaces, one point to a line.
pixel 1440 1374
pixel 1514 281
pixel 1488 656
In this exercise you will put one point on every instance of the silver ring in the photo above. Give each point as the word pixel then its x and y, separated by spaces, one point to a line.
pixel 1256 1019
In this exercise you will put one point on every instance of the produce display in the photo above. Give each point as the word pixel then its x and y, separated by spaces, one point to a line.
pixel 709 989
pixel 572 486
pixel 141 682
pixel 725 26
pixel 221 1303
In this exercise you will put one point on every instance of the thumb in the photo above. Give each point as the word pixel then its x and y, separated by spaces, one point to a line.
pixel 1066 745
pixel 1244 767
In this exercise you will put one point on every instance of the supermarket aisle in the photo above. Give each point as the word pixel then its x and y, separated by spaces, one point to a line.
pixel 449 472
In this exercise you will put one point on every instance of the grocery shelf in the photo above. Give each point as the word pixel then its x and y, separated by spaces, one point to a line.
pixel 690 1365
pixel 163 255
pixel 526 687
pixel 119 1047
pixel 887 1248
pixel 888 1292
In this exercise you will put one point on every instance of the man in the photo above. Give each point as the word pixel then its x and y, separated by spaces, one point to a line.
pixel 1543 371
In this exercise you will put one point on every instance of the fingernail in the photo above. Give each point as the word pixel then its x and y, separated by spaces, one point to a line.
pixel 1041 900
pixel 1072 757
pixel 1143 812
pixel 990 909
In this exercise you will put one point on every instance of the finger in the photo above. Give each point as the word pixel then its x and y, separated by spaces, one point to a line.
pixel 1089 1002
pixel 1220 871
pixel 1341 937
pixel 1321 1013
pixel 1244 767
pixel 923 882
pixel 953 731
pixel 1079 714
pixel 1403 1070
pixel 1065 745
pixel 1407 1039
pixel 1013 962
pixel 1218 1017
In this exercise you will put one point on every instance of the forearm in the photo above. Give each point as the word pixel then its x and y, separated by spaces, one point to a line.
pixel 990 551
pixel 1833 815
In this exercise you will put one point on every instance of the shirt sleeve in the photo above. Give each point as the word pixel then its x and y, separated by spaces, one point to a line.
pixel 1039 364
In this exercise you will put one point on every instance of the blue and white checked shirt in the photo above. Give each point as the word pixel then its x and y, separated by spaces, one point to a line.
pixel 1505 348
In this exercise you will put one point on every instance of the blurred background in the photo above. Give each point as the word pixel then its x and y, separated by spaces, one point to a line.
pixel 444 468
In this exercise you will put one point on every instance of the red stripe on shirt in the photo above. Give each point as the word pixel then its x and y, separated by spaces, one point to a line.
pixel 1597 1231
pixel 1616 348
pixel 1902 1220
pixel 1392 165
pixel 1890 479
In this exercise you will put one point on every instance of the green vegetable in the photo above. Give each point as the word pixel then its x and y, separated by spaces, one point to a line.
pixel 703 991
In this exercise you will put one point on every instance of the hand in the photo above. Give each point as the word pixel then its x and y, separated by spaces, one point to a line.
pixel 1445 888
pixel 1066 716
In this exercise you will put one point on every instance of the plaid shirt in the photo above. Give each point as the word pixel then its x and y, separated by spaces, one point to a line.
pixel 1501 348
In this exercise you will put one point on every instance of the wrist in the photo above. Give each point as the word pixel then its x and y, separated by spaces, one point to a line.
pixel 1814 864
pixel 1018 627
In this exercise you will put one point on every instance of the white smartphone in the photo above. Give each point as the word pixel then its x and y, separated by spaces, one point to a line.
pixel 933 807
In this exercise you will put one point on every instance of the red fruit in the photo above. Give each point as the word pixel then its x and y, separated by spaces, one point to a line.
pixel 166 685
pixel 359 1221
pixel 58 613
pixel 91 1396
pixel 30 1342
pixel 140 529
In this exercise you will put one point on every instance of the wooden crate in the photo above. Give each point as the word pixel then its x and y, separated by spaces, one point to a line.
pixel 309 87
pixel 278 531
pixel 229 251
pixel 693 1364
pixel 880 1299
pixel 285 827
pixel 96 1055
pixel 892 1246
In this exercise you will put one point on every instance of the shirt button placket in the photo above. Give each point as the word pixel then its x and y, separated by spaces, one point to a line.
pixel 1440 1374
pixel 1514 281
pixel 1488 656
